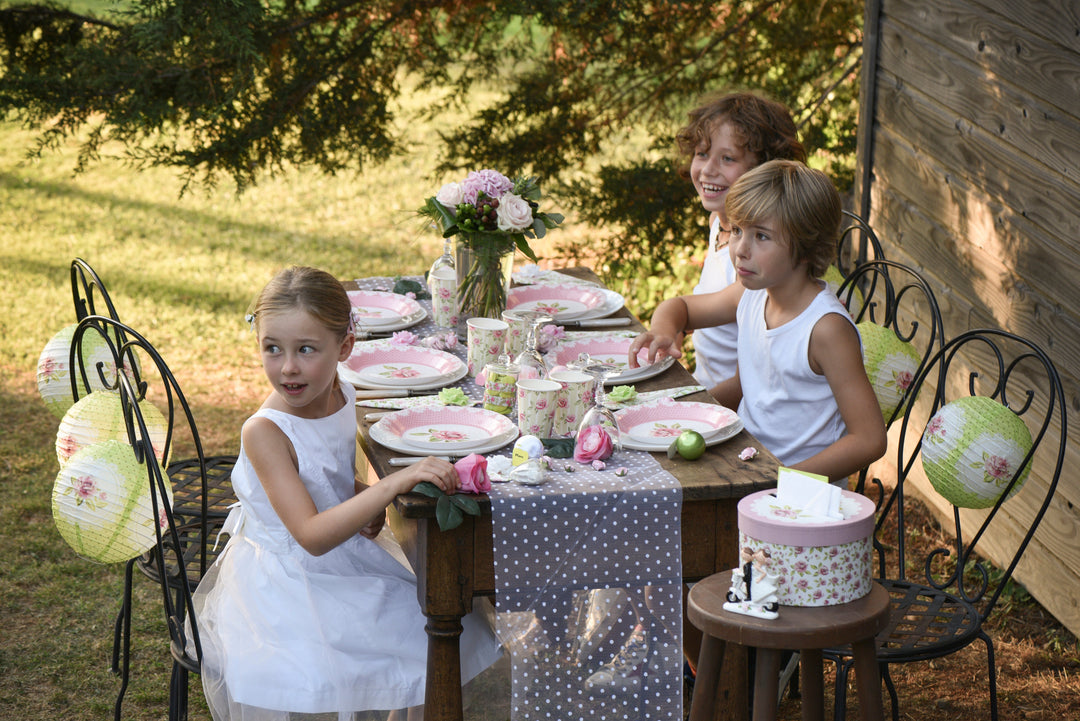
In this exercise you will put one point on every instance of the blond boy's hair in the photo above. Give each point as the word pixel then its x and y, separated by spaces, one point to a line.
pixel 801 201
pixel 315 291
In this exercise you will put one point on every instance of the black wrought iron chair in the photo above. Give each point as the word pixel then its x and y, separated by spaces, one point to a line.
pixel 945 607
pixel 858 243
pixel 186 548
pixel 897 299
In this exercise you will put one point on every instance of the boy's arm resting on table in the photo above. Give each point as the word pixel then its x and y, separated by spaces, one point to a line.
pixel 677 316
pixel 835 353
pixel 728 393
pixel 273 458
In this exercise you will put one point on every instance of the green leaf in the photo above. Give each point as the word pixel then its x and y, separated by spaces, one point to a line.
pixel 523 246
pixel 437 211
pixel 447 514
pixel 466 504
pixel 426 488
pixel 559 447
pixel 403 286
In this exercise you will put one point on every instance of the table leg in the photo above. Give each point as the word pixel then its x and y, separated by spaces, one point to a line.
pixel 867 680
pixel 766 683
pixel 813 684
pixel 707 684
pixel 444 589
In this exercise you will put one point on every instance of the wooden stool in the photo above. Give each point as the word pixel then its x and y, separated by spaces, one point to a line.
pixel 807 630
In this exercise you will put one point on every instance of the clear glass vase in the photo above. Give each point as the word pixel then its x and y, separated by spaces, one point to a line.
pixel 484 263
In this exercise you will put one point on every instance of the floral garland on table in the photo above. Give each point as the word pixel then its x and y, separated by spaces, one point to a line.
pixel 491 215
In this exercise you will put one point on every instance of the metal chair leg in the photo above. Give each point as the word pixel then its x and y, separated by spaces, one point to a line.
pixel 121 654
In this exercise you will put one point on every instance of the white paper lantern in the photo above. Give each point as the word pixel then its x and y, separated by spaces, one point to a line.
pixel 101 503
pixel 53 374
pixel 99 417
pixel 890 365
pixel 971 449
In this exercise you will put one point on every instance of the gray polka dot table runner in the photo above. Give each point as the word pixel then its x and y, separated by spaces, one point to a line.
pixel 591 530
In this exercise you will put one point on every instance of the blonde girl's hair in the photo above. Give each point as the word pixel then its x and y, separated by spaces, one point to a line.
pixel 801 201
pixel 763 126
pixel 314 291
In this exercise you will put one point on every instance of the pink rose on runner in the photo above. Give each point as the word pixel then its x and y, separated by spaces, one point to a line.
pixel 593 444
pixel 472 470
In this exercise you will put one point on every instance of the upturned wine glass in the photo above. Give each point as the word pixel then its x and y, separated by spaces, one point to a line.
pixel 599 414
pixel 530 363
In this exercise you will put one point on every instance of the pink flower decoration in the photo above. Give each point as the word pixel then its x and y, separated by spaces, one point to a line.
pixel 599 465
pixel 593 443
pixel 404 337
pixel 489 182
pixel 472 471
pixel 404 373
pixel 447 435
pixel 747 453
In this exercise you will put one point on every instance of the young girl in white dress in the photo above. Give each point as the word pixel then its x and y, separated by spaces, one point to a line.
pixel 304 613
pixel 726 136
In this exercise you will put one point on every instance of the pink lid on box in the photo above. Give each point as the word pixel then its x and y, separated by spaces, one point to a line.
pixel 762 518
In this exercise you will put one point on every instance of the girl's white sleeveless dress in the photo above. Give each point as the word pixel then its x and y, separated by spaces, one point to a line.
pixel 284 631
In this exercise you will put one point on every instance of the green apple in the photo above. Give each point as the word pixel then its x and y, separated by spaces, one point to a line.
pixel 690 445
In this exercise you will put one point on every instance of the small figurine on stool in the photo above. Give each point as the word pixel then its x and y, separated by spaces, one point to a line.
pixel 753 587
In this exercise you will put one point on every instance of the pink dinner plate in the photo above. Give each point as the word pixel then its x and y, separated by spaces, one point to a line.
pixel 612 350
pixel 444 429
pixel 379 309
pixel 653 426
pixel 402 367
pixel 562 302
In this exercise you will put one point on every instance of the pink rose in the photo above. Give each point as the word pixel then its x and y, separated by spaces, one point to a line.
pixel 599 465
pixel 593 444
pixel 472 470
pixel 449 196
pixel 404 337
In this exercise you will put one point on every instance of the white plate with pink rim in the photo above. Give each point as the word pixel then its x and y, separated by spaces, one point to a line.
pixel 562 302
pixel 612 350
pixel 653 426
pixel 612 302
pixel 380 310
pixel 392 366
pixel 443 429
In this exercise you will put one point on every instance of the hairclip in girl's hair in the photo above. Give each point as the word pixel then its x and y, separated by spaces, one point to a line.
pixel 351 328
pixel 250 318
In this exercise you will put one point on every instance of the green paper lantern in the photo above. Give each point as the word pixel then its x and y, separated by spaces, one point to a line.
pixel 971 449
pixel 99 417
pixel 890 365
pixel 834 278
pixel 101 504
pixel 53 374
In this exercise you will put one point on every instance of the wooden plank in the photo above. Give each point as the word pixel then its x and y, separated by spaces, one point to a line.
pixel 1056 21
pixel 1035 129
pixel 959 150
pixel 1040 306
pixel 1005 51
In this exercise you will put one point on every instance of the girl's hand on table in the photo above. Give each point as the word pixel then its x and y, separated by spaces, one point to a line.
pixel 436 471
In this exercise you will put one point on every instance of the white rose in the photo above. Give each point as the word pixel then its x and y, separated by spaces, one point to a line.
pixel 449 195
pixel 514 213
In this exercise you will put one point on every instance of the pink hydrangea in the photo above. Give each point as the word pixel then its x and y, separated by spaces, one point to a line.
pixel 490 182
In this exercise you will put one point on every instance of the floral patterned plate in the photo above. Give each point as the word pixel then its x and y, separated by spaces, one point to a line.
pixel 612 349
pixel 653 426
pixel 379 310
pixel 612 302
pixel 563 302
pixel 412 367
pixel 448 429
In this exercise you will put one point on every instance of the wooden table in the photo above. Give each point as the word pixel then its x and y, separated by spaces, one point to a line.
pixel 452 567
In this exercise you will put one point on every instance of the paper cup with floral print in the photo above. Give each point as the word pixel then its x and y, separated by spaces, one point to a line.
pixel 486 337
pixel 515 334
pixel 536 406
pixel 442 284
pixel 573 399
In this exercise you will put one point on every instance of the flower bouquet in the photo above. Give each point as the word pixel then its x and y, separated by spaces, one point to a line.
pixel 491 215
